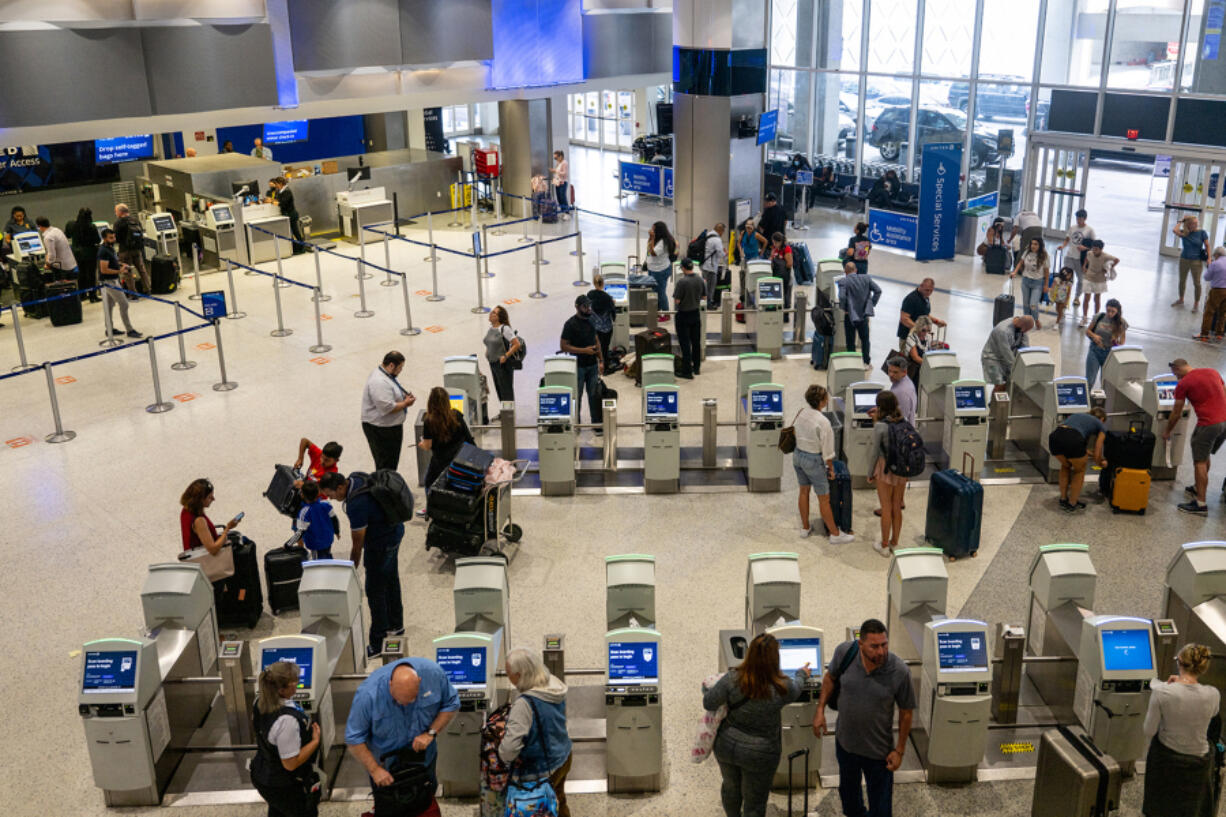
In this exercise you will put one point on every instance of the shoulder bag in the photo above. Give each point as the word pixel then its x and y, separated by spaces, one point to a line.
pixel 833 700
pixel 787 436
pixel 216 567
pixel 536 798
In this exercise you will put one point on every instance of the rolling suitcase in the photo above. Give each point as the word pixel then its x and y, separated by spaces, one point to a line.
pixel 283 573
pixel 1127 489
pixel 63 311
pixel 1129 449
pixel 239 599
pixel 1002 306
pixel 281 491
pixel 650 342
pixel 1073 778
pixel 456 540
pixel 447 504
pixel 955 513
pixel 804 781
pixel 163 274
pixel 996 260
pixel 840 496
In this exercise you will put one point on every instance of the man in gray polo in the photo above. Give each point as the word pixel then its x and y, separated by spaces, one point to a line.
pixel 872 682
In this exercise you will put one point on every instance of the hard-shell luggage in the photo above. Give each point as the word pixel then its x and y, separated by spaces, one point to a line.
pixel 281 491
pixel 1073 778
pixel 1002 307
pixel 650 342
pixel 472 461
pixel 283 574
pixel 455 540
pixel 163 274
pixel 240 599
pixel 1129 449
pixel 804 781
pixel 1127 489
pixel 955 513
pixel 840 496
pixel 63 311
pixel 996 260
pixel 447 504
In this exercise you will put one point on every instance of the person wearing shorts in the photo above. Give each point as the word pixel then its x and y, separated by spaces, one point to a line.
pixel 1203 388
pixel 813 461
pixel 1069 442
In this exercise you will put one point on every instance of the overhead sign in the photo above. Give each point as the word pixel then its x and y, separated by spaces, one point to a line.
pixel 282 133
pixel 940 169
pixel 889 229
pixel 25 167
pixel 768 126
pixel 123 148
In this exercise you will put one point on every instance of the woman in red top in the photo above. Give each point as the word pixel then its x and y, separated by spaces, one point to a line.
pixel 197 529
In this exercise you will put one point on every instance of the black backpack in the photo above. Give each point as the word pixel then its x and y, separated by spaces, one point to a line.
pixel 133 236
pixel 823 314
pixel 392 493
pixel 697 248
pixel 906 450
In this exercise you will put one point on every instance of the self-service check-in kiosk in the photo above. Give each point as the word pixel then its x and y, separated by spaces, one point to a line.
pixel 630 591
pixel 1062 585
pixel 751 368
pixel 859 399
pixel 964 442
pixel 314 693
pixel 764 460
pixel 1133 397
pixel 161 235
pixel 768 324
pixel 461 374
pixel 917 587
pixel 562 370
pixel 218 236
pixel 829 273
pixel 658 369
pixel 1113 674
pixel 1158 401
pixel 661 440
pixel 755 271
pixel 1065 397
pixel 617 287
pixel 555 427
pixel 633 712
pixel 28 247
pixel 1033 370
pixel 938 369
pixel 470 660
pixel 955 699
pixel 1195 601
pixel 361 208
pixel 482 597
pixel 798 646
pixel 842 370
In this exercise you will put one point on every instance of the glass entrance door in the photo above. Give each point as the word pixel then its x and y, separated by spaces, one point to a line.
pixel 603 119
pixel 1194 189
pixel 1055 182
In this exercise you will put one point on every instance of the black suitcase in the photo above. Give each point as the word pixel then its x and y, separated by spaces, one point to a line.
pixel 840 497
pixel 804 781
pixel 163 274
pixel 283 574
pixel 455 540
pixel 281 491
pixel 1002 308
pixel 450 505
pixel 63 311
pixel 472 461
pixel 411 792
pixel 1129 449
pixel 996 260
pixel 650 342
pixel 240 599
pixel 955 513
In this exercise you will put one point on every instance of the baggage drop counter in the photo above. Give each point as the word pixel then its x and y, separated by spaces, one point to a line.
pixel 938 369
pixel 1195 599
pixel 1132 398
pixel 1062 587
pixel 798 646
pixel 964 439
pixel 764 460
pixel 470 661
pixel 768 320
pixel 859 399
pixel 1065 396
pixel 1033 370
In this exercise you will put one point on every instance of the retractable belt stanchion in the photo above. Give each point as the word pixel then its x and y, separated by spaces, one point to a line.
pixel 485 256
pixel 363 312
pixel 578 250
pixel 319 346
pixel 472 187
pixel 433 296
pixel 319 279
pixel 540 237
pixel 409 329
pixel 537 264
pixel 21 344
pixel 233 314
pixel 525 239
pixel 250 243
pixel 110 341
pixel 638 238
pixel 280 331
pixel 433 256
pixel 480 308
pixel 496 189
pixel 225 384
pixel 388 281
pixel 182 364
pixel 280 279
pixel 578 253
pixel 362 273
pixel 196 271
pixel 60 435
pixel 158 406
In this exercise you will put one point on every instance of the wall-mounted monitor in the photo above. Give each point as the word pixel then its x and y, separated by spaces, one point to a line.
pixel 282 133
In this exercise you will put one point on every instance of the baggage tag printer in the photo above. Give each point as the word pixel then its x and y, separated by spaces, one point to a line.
pixel 860 399
pixel 955 699
pixel 219 234
pixel 1029 381
pixel 765 460
pixel 661 439
pixel 769 323
pixel 1065 397
pixel 556 440
pixel 471 661
pixel 461 374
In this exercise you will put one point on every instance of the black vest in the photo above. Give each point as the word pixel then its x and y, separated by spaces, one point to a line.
pixel 266 767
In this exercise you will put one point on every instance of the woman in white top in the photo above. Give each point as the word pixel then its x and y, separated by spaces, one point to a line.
pixel 286 742
pixel 661 250
pixel 813 460
pixel 1034 266
pixel 561 180
pixel 1179 765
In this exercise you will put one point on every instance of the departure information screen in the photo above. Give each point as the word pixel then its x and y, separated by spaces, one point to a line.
pixel 962 651
pixel 770 290
pixel 618 292
pixel 1071 394
pixel 1125 650
pixel 634 661
pixel 662 403
pixel 794 653
pixel 863 400
pixel 766 402
pixel 552 404
pixel 1166 391
pixel 970 397
pixel 465 666
pixel 304 657
pixel 111 671
pixel 281 133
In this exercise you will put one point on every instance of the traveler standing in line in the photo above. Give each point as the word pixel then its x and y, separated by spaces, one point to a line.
pixel 1179 763
pixel 501 345
pixel 902 387
pixel 259 151
pixel 1069 442
pixel 579 339
pixel 687 295
pixel 772 219
pixel 85 241
pixel 1215 302
pixel 752 245
pixel 561 180
pixel 813 461
pixel 1203 388
pixel 286 742
pixel 1079 237
pixel 1099 267
pixel 915 346
pixel 283 197
pixel 536 725
pixel 443 433
pixel 1108 330
pixel 858 247
pixel 891 488
pixel 1034 266
pixel 858 294
pixel 1192 257
pixel 1000 351
pixel 713 262
pixel 916 305
pixel 872 681
pixel 59 259
pixel 604 312
pixel 377 535
pixel 749 743
pixel 385 406
pixel 661 250
pixel 130 241
pixel 109 271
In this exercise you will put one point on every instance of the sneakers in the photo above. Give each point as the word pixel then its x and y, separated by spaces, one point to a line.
pixel 399 631
pixel 1195 508
pixel 1081 321
pixel 420 513
pixel 372 652
pixel 117 332
pixel 1081 506
pixel 1178 302
pixel 132 333
pixel 881 549
pixel 1201 338
pixel 1190 490
pixel 1067 507
pixel 842 539
pixel 804 532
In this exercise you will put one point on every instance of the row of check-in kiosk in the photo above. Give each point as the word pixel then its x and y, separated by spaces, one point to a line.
pixel 167 715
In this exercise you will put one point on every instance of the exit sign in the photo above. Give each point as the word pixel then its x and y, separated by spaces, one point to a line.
pixel 1132 133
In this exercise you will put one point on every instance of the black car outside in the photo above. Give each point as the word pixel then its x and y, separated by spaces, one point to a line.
pixel 889 133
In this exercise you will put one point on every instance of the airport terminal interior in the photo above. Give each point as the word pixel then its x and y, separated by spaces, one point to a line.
pixel 419 144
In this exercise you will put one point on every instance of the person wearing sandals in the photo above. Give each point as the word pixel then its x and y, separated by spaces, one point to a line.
pixel 536 726
pixel 1215 301
pixel 891 488
pixel 813 460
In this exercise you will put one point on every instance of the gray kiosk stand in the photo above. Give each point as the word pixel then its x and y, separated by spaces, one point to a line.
pixel 1195 601
pixel 858 400
pixel 555 426
pixel 617 285
pixel 1033 370
pixel 661 439
pixel 1063 397
pixel 938 369
pixel 1115 666
pixel 768 320
pixel 462 376
pixel 764 460
pixel 1062 586
pixel 950 730
pixel 1133 397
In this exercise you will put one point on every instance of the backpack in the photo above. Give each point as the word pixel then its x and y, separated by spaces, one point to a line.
pixel 392 493
pixel 517 360
pixel 494 773
pixel 134 237
pixel 823 314
pixel 696 249
pixel 861 251
pixel 906 450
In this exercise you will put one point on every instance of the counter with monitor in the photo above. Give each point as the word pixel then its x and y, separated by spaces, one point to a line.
pixel 1115 666
pixel 1157 404
pixel 859 401
pixel 555 426
pixel 751 368
pixel 955 699
pixel 28 248
pixel 218 235
pixel 161 235
pixel 359 209
pixel 764 460
pixel 768 323
pixel 964 441
pixel 1065 396
pixel 661 439
pixel 633 711
pixel 617 287
pixel 266 232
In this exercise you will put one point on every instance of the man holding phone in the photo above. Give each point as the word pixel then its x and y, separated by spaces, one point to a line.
pixel 385 405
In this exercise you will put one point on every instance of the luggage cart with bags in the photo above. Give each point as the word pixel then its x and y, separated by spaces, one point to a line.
pixel 480 525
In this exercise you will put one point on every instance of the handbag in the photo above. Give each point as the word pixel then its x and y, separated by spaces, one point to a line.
pixel 216 567
pixel 787 436
pixel 412 788
pixel 709 723
pixel 833 700
pixel 537 798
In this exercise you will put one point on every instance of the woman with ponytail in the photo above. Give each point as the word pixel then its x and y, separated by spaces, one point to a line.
pixel 286 741
pixel 1179 765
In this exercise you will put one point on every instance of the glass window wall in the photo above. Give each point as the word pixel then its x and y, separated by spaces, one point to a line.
pixel 791 40
pixel 949 30
pixel 891 39
pixel 789 94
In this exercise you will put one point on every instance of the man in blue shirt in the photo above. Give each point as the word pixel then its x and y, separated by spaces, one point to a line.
pixel 400 705
pixel 379 536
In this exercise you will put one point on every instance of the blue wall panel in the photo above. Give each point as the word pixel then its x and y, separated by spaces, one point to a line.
pixel 326 138
pixel 536 43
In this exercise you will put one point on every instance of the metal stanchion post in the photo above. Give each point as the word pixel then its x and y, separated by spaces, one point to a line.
pixel 319 346
pixel 525 239
pixel 480 308
pixel 578 250
pixel 158 406
pixel 319 279
pixel 389 281
pixel 233 314
pixel 225 384
pixel 60 435
pixel 472 186
pixel 497 186
pixel 280 331
pixel 363 312
pixel 433 296
pixel 251 244
pixel 459 182
pixel 21 344
pixel 361 236
pixel 409 329
pixel 433 256
pixel 110 341
pixel 537 263
pixel 540 235
pixel 196 271
pixel 638 239
pixel 578 253
pixel 280 279
pixel 182 364
pixel 485 253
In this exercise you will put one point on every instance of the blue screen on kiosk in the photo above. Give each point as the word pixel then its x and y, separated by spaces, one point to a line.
pixel 962 651
pixel 662 403
pixel 553 404
pixel 1125 650
pixel 766 401
pixel 616 291
pixel 634 660
pixel 1071 394
pixel 109 671
pixel 967 397
pixel 304 657
pixel 465 666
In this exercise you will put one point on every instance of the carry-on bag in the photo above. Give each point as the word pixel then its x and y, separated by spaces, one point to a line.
pixel 456 540
pixel 1129 449
pixel 1127 489
pixel 240 599
pixel 1073 778
pixel 955 513
pixel 283 574
pixel 1002 306
pixel 840 496
pixel 445 503
pixel 472 461
pixel 281 491
pixel 65 311
pixel 163 274
pixel 411 792
pixel 650 342
pixel 996 260
pixel 804 781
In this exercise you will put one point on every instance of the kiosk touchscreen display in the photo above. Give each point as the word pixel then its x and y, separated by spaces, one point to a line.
pixel 221 214
pixel 766 402
pixel 164 224
pixel 1071 394
pixel 457 402
pixel 970 397
pixel 662 403
pixel 1166 391
pixel 794 653
pixel 30 246
pixel 465 666
pixel 634 662
pixel 770 290
pixel 304 657
pixel 962 651
pixel 109 671
pixel 551 405
pixel 618 292
pixel 1126 650
pixel 863 401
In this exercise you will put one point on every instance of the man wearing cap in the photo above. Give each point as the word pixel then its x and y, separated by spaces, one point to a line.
pixel 579 339
pixel 1204 389
pixel 773 219
pixel 687 295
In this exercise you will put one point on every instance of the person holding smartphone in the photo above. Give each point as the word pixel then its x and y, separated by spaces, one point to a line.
pixel 385 405
pixel 195 526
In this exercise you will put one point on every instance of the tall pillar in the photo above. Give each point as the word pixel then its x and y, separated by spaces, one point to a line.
pixel 719 88
pixel 526 138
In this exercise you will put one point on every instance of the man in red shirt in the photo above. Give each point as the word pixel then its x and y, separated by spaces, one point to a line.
pixel 1204 389
pixel 323 460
